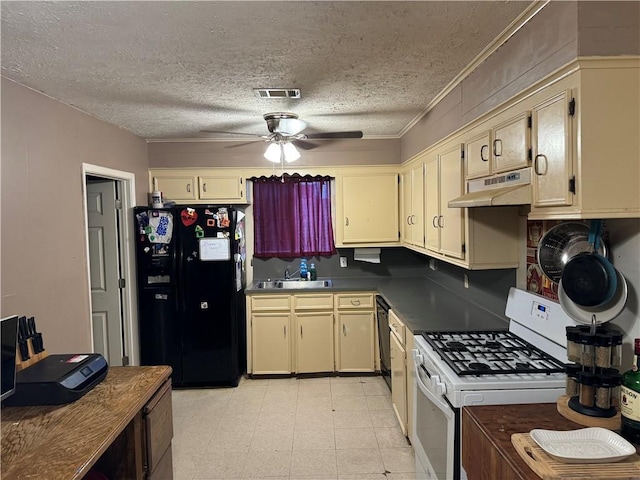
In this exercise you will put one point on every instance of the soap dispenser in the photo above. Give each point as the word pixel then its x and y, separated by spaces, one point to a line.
pixel 303 268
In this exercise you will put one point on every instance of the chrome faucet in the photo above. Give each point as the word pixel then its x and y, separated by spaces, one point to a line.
pixel 288 275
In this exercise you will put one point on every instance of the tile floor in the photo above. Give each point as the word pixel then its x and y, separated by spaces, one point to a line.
pixel 333 428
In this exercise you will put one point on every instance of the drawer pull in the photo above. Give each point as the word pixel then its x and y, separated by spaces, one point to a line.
pixel 204 187
pixel 189 187
pixel 355 302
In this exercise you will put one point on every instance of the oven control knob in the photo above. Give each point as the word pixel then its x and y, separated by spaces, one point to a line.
pixel 435 380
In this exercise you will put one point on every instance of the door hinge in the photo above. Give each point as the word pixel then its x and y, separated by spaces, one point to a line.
pixel 398 234
pixel 125 360
pixel 530 154
pixel 464 248
pixel 118 204
pixel 398 177
pixel 572 107
pixel 529 121
pixel 121 283
pixel 462 155
pixel 572 184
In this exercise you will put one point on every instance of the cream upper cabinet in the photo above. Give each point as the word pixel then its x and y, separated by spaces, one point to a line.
pixel 271 343
pixel 221 187
pixel 368 208
pixel 412 219
pixel 478 155
pixel 176 187
pixel 355 332
pixel 511 143
pixel 314 342
pixel 199 186
pixel 444 226
pixel 552 166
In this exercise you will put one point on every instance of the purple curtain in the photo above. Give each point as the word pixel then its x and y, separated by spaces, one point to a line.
pixel 292 216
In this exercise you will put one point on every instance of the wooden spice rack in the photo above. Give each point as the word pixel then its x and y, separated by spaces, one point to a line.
pixel 33 357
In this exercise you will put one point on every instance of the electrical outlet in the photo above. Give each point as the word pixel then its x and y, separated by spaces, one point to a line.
pixel 466 281
pixel 343 262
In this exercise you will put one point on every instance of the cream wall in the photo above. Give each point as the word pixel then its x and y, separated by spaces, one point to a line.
pixel 44 265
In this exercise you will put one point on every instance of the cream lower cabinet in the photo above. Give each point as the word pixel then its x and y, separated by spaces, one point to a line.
pixel 271 343
pixel 355 332
pixel 314 332
pixel 398 370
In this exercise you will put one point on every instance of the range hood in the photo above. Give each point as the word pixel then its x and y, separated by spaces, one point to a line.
pixel 510 188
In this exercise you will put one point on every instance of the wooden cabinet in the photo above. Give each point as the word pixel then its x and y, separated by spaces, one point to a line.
pixel 270 343
pixel 498 145
pixel 367 208
pixel 398 370
pixel 158 432
pixel 176 186
pixel 444 226
pixel 355 332
pixel 314 351
pixel 511 143
pixel 311 332
pixel 199 186
pixel 314 332
pixel 552 168
pixel 412 219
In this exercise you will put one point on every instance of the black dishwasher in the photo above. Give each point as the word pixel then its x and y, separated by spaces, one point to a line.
pixel 382 314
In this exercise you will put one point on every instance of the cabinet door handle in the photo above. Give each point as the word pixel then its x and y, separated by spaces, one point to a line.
pixel 482 153
pixel 441 221
pixel 497 142
pixel 355 302
pixel 346 223
pixel 536 165
pixel 344 330
pixel 433 222
pixel 285 330
pixel 204 187
pixel 189 187
pixel 409 220
pixel 413 219
pixel 300 331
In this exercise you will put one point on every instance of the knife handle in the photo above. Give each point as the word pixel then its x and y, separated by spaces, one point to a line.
pixel 24 350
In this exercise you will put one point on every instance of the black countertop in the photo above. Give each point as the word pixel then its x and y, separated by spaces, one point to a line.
pixel 421 303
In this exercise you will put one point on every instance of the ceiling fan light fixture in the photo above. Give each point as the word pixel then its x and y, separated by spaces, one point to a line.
pixel 291 153
pixel 273 153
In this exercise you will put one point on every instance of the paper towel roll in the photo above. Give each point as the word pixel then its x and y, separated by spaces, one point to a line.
pixel 371 255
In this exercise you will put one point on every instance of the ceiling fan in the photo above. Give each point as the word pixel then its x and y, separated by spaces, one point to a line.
pixel 285 132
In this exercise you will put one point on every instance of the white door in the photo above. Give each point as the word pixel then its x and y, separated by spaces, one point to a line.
pixel 106 316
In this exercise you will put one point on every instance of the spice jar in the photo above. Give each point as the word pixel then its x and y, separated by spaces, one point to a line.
pixel 572 387
pixel 603 391
pixel 587 349
pixel 573 347
pixel 587 381
pixel 616 349
pixel 603 350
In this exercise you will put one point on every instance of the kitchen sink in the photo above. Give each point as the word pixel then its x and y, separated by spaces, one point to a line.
pixel 294 283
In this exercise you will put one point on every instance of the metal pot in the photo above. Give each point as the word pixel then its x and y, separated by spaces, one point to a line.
pixel 589 280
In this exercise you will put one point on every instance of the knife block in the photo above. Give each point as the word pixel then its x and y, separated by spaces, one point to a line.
pixel 33 357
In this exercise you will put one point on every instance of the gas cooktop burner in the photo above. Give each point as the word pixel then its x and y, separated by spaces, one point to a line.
pixel 486 353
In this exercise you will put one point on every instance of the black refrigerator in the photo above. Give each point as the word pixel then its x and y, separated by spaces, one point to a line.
pixel 191 303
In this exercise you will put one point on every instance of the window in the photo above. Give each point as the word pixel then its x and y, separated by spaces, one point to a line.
pixel 292 216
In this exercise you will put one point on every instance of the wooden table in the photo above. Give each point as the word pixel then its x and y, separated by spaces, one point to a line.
pixel 487 452
pixel 64 441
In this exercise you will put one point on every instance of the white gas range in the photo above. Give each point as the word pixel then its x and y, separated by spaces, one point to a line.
pixel 455 369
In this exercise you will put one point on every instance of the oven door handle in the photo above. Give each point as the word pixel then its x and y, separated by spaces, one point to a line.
pixel 435 399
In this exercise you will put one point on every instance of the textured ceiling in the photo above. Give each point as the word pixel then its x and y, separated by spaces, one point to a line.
pixel 171 69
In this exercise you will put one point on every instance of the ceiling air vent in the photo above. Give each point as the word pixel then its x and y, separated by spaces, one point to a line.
pixel 277 92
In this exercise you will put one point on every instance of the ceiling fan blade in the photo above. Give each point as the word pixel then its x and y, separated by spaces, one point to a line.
pixel 243 144
pixel 290 126
pixel 231 133
pixel 320 136
pixel 303 144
